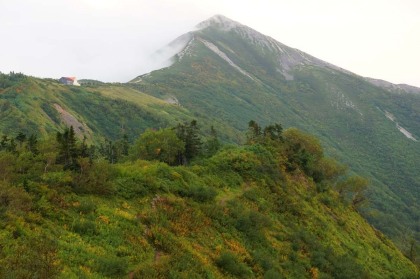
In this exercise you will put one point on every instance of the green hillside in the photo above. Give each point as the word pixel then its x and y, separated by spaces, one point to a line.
pixel 41 106
pixel 258 208
pixel 230 72
pixel 273 208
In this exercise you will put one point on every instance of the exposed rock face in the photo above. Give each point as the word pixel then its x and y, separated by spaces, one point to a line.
pixel 404 131
pixel 69 120
pixel 172 100
pixel 222 55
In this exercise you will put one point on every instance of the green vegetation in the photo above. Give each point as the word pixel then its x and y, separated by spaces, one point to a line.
pixel 347 113
pixel 33 106
pixel 7 80
pixel 273 208
pixel 162 145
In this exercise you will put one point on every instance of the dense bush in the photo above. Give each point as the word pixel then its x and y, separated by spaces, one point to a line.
pixel 199 193
pixel 112 266
pixel 87 206
pixel 84 227
pixel 94 178
pixel 240 213
pixel 230 264
pixel 162 145
pixel 7 80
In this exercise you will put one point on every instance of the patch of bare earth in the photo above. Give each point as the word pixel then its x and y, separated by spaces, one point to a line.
pixel 80 129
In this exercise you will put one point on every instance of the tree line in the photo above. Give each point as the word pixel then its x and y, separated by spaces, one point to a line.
pixel 86 168
pixel 182 144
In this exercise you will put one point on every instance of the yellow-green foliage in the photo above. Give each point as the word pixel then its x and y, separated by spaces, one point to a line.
pixel 162 145
pixel 241 213
pixel 30 105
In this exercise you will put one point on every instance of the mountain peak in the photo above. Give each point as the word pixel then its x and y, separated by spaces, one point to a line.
pixel 219 21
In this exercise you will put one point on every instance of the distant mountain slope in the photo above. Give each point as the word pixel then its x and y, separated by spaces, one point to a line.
pixel 43 106
pixel 230 72
pixel 396 88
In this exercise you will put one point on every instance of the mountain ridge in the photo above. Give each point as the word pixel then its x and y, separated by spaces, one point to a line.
pixel 226 24
pixel 288 56
pixel 224 79
pixel 393 87
pixel 227 73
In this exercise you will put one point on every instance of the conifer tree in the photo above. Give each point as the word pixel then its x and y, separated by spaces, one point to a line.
pixel 212 144
pixel 20 138
pixel 11 147
pixel 254 132
pixel 4 142
pixel 273 132
pixel 109 151
pixel 192 141
pixel 180 131
pixel 189 134
pixel 68 151
pixel 32 144
pixel 125 145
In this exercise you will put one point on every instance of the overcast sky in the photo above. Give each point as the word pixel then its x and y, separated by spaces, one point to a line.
pixel 113 40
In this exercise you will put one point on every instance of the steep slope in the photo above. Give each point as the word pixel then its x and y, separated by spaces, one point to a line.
pixel 242 213
pixel 228 71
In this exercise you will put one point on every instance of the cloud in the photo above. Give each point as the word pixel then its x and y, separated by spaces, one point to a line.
pixel 114 40
pixel 106 40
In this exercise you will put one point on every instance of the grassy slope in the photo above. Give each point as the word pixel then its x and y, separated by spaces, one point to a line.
pixel 107 110
pixel 371 145
pixel 315 101
pixel 156 225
